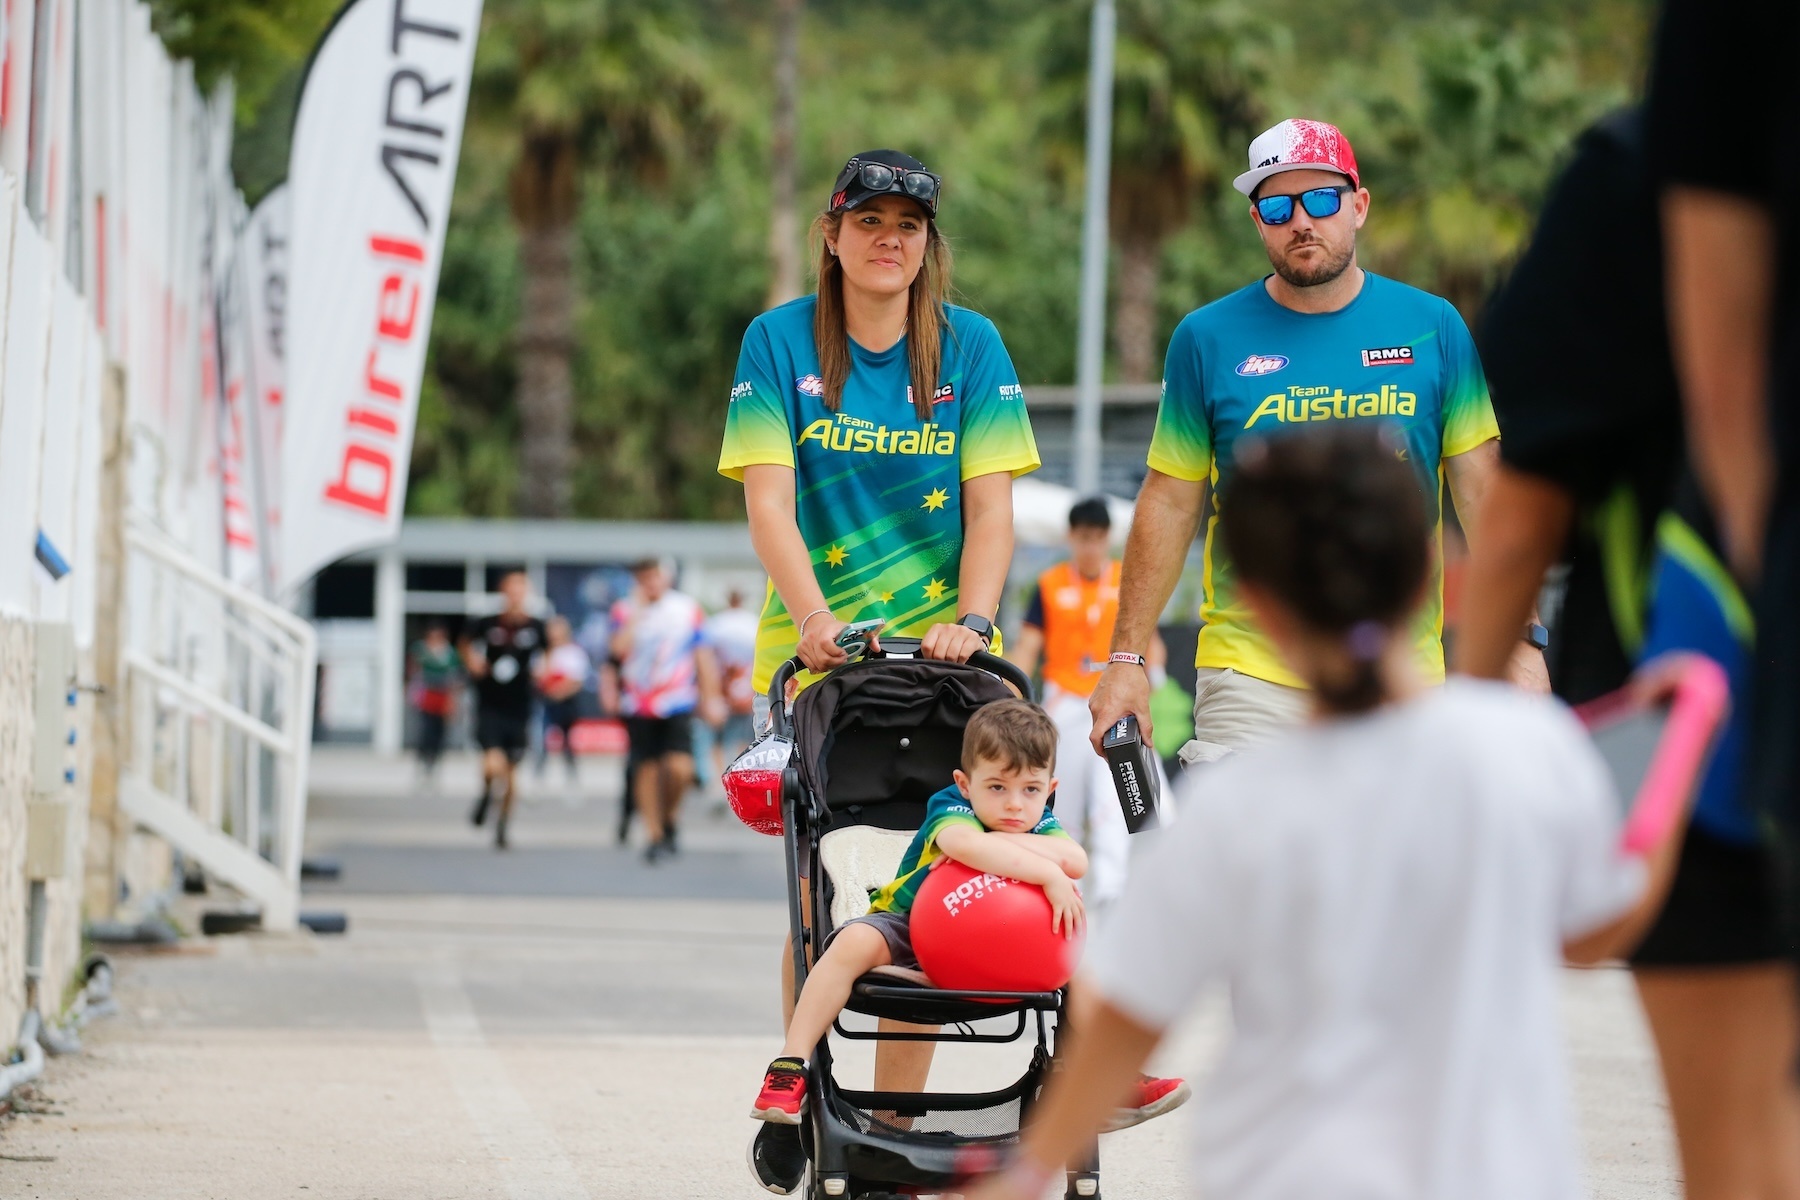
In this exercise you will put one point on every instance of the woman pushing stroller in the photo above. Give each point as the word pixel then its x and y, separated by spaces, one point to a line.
pixel 876 429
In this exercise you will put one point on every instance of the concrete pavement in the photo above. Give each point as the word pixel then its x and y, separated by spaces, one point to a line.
pixel 560 1021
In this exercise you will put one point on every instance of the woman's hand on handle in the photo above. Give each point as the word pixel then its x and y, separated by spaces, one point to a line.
pixel 818 647
pixel 951 643
pixel 1124 689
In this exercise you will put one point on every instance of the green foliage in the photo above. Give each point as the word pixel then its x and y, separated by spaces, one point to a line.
pixel 1459 110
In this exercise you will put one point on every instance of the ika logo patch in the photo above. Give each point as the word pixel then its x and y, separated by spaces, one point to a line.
pixel 1388 356
pixel 1263 364
pixel 812 385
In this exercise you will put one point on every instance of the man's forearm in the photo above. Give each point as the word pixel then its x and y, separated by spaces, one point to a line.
pixel 1163 526
pixel 1524 524
pixel 1721 280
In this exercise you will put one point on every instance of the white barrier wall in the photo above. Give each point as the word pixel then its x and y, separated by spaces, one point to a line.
pixel 118 220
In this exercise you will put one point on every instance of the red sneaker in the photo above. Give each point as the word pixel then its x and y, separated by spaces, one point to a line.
pixel 1153 1098
pixel 783 1096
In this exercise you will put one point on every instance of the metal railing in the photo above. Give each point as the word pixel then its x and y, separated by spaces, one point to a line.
pixel 219 707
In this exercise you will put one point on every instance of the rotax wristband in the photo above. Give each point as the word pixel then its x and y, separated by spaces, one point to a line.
pixel 1126 657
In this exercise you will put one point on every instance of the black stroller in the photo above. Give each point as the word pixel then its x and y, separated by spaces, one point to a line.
pixel 872 742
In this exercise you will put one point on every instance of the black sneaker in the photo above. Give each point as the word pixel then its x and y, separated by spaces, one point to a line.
pixel 669 846
pixel 500 842
pixel 478 818
pixel 777 1159
pixel 654 852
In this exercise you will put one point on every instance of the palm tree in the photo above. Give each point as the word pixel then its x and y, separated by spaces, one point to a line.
pixel 576 86
pixel 1186 80
pixel 1460 142
pixel 784 218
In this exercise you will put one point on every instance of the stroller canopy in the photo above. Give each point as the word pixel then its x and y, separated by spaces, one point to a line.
pixel 876 739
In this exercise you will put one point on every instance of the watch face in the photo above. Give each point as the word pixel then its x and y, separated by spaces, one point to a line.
pixel 980 625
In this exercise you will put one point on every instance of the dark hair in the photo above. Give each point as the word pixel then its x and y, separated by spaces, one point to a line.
pixel 1333 523
pixel 1016 733
pixel 926 315
pixel 1091 513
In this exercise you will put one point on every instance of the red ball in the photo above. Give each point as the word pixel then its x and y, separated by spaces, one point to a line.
pixel 988 933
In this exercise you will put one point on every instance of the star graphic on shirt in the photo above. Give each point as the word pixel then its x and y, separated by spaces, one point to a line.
pixel 935 589
pixel 887 597
pixel 934 499
pixel 835 556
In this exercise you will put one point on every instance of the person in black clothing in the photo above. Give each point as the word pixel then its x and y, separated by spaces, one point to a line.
pixel 1723 114
pixel 501 654
pixel 1583 383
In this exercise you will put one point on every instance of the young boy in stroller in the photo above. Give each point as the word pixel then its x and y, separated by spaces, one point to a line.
pixel 993 819
pixel 867 749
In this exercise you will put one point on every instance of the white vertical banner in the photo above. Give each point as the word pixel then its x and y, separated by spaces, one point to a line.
pixel 262 270
pixel 86 559
pixel 370 173
pixel 53 122
pixel 22 408
pixel 58 461
pixel 15 84
pixel 238 476
pixel 102 76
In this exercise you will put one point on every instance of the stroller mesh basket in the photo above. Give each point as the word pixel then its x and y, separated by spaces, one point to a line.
pixel 928 1116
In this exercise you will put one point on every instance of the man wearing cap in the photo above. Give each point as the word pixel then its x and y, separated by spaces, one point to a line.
pixel 1318 340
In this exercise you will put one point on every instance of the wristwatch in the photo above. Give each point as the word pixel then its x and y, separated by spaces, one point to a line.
pixel 1536 635
pixel 979 624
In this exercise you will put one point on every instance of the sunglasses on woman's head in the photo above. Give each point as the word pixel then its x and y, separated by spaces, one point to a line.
pixel 879 177
pixel 1318 202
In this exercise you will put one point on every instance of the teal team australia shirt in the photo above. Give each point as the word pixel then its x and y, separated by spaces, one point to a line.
pixel 945 808
pixel 878 491
pixel 1245 367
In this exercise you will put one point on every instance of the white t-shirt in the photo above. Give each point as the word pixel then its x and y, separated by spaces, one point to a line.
pixel 567 661
pixel 658 675
pixel 1386 898
pixel 731 632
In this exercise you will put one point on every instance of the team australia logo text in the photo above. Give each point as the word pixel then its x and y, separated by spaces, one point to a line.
pixel 1326 404
pixel 1262 364
pixel 853 434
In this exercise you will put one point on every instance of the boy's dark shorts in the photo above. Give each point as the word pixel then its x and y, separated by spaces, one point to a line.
pixel 895 929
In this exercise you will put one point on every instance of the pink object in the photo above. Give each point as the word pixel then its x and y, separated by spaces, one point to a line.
pixel 1698 701
pixel 980 932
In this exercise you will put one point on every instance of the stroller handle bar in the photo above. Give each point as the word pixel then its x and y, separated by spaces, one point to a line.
pixel 892 647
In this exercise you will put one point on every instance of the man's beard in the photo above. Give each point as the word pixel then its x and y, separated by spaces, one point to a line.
pixel 1311 276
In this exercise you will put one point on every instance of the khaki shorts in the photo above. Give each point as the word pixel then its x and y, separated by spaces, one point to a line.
pixel 1233 710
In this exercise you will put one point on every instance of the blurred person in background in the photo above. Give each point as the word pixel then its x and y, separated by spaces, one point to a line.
pixel 1320 341
pixel 501 654
pixel 437 675
pixel 561 682
pixel 1387 892
pixel 731 633
pixel 666 673
pixel 1066 632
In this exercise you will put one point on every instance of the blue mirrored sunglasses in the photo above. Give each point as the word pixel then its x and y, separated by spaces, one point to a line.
pixel 1319 202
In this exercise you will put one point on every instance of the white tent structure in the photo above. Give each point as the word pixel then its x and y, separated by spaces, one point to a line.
pixel 1041 513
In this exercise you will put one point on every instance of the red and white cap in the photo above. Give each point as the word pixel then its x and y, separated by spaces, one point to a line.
pixel 1296 145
